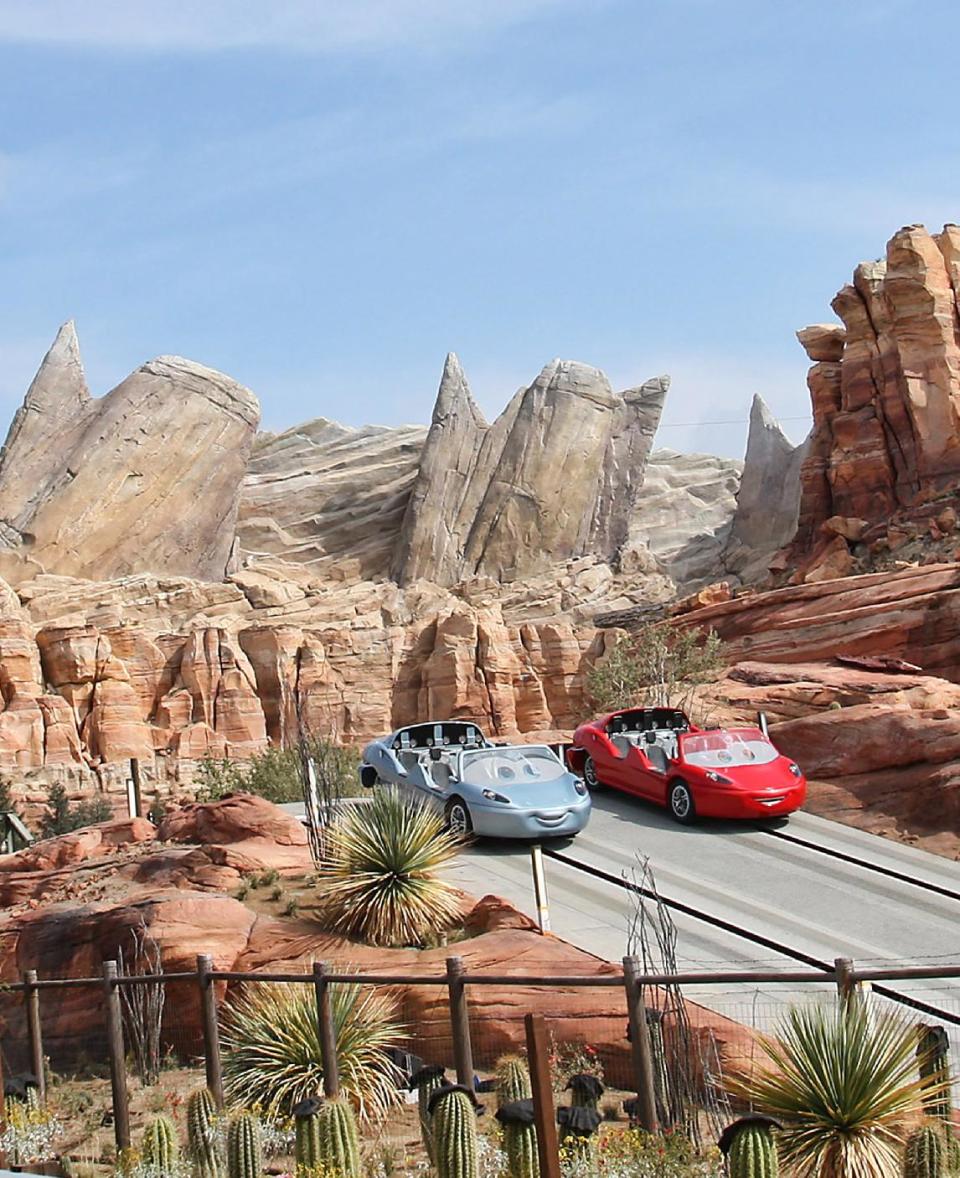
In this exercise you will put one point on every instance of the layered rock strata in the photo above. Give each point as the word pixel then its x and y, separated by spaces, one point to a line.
pixel 885 389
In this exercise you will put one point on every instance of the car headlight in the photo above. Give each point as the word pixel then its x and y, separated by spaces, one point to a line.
pixel 718 778
pixel 795 769
pixel 579 786
pixel 492 796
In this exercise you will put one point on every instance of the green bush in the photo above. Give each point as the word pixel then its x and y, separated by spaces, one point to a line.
pixel 380 874
pixel 277 774
pixel 271 1046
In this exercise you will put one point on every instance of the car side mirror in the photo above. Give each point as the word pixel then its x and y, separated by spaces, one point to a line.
pixel 436 754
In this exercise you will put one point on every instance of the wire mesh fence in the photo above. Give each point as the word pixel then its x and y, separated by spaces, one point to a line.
pixel 112 1052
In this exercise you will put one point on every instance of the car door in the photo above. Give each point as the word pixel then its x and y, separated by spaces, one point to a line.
pixel 644 773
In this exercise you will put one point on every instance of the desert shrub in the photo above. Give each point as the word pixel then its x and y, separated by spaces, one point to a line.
pixel 842 1080
pixel 61 817
pixel 276 774
pixel 272 1048
pixel 654 666
pixel 379 879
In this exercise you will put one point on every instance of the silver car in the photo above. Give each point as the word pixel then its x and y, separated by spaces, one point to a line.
pixel 497 790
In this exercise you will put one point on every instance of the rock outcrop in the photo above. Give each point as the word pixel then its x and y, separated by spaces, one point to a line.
pixel 885 389
pixel 768 498
pixel 148 477
pixel 683 517
pixel 556 477
pixel 329 497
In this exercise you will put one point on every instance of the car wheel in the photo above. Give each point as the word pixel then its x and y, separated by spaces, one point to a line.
pixel 680 800
pixel 458 817
pixel 590 777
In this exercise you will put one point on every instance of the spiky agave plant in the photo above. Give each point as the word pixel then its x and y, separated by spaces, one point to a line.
pixel 379 880
pixel 271 1045
pixel 843 1083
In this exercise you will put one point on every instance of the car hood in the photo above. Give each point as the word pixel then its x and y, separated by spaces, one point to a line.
pixel 538 795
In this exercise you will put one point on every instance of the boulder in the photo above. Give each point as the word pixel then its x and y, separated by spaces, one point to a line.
pixel 67 850
pixel 232 820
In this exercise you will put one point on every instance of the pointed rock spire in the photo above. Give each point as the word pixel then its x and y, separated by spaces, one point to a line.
pixel 430 546
pixel 768 502
pixel 53 411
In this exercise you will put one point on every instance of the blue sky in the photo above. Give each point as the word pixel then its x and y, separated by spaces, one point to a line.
pixel 321 198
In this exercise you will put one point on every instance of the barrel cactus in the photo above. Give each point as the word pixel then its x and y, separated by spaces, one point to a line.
pixel 244 1152
pixel 924 1153
pixel 425 1081
pixel 933 1058
pixel 454 1119
pixel 520 1138
pixel 750 1148
pixel 161 1148
pixel 513 1080
pixel 306 1123
pixel 338 1141
pixel 202 1134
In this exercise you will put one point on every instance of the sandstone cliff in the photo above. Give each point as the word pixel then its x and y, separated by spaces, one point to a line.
pixel 885 389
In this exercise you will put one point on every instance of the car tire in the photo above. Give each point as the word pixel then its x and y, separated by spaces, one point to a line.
pixel 590 778
pixel 458 817
pixel 680 801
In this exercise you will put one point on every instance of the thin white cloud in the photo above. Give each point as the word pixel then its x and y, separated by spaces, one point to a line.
pixel 311 26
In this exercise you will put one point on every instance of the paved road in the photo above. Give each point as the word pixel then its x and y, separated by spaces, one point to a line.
pixel 793 895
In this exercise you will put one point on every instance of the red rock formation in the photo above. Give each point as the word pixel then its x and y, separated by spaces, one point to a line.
pixel 885 390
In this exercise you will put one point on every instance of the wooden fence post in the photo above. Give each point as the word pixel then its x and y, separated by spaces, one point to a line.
pixel 327 1032
pixel 846 986
pixel 118 1073
pixel 137 787
pixel 643 1069
pixel 460 1022
pixel 211 1027
pixel 538 1056
pixel 31 1002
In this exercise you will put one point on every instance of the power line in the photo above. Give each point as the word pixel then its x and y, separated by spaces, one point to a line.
pixel 731 421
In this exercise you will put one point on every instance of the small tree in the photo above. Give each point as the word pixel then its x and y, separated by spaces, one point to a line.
pixel 654 666
pixel 61 817
pixel 57 819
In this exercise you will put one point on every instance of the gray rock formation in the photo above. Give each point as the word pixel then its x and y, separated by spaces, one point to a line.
pixel 329 497
pixel 146 478
pixel 684 516
pixel 555 477
pixel 768 502
pixel 53 413
pixel 436 517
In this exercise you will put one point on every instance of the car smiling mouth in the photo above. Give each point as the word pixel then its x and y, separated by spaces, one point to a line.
pixel 553 818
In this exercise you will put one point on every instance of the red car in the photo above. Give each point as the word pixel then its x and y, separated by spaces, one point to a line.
pixel 657 753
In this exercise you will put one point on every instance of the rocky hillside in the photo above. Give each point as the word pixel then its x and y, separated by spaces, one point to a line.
pixel 178 585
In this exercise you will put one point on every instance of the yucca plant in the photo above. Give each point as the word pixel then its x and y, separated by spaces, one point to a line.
pixel 378 879
pixel 843 1083
pixel 271 1045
